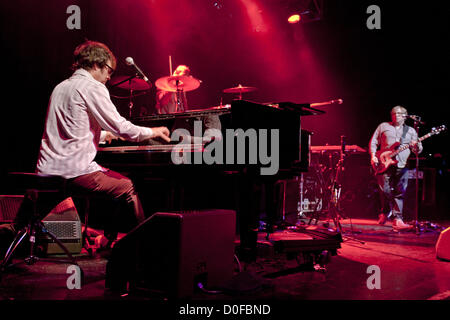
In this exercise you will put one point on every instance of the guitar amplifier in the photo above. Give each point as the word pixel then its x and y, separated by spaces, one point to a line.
pixel 63 222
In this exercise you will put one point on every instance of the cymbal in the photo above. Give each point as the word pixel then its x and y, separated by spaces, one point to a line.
pixel 172 83
pixel 239 89
pixel 131 84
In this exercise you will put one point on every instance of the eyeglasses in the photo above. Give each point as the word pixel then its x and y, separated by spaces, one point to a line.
pixel 110 69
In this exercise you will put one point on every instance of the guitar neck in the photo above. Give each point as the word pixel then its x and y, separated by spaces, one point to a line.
pixel 406 146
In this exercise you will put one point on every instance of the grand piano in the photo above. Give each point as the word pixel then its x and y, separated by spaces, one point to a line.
pixel 235 183
pixel 245 115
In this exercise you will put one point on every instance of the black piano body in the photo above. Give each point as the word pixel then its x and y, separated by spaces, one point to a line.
pixel 236 119
pixel 229 185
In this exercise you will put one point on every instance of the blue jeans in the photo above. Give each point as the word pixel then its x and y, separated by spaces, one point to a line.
pixel 393 184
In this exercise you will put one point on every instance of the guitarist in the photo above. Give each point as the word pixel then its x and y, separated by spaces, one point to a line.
pixel 394 181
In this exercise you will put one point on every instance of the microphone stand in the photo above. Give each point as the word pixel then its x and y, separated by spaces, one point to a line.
pixel 123 81
pixel 130 103
pixel 416 223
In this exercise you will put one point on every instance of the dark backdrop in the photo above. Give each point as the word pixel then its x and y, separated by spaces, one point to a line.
pixel 227 43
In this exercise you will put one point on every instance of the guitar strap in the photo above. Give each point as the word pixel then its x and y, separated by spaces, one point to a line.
pixel 405 130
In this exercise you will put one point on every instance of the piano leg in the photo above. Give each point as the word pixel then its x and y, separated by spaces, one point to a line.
pixel 247 218
pixel 271 208
pixel 176 200
pixel 249 211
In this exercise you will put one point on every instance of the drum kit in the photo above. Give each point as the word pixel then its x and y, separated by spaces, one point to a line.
pixel 170 84
pixel 136 86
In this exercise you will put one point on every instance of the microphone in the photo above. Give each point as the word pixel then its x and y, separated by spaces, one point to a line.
pixel 129 61
pixel 318 104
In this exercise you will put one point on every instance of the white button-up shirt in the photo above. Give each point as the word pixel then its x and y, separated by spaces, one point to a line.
pixel 79 108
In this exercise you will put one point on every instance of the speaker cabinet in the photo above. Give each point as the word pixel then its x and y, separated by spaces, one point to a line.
pixel 170 253
pixel 9 205
pixel 443 245
pixel 63 221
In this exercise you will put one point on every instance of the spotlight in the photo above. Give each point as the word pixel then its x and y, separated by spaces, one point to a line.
pixel 305 11
pixel 295 18
pixel 218 4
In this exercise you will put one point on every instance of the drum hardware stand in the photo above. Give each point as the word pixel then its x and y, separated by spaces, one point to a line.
pixel 335 195
pixel 318 195
pixel 319 199
pixel 179 106
pixel 324 185
pixel 300 200
pixel 130 103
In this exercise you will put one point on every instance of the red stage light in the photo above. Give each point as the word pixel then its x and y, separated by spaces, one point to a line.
pixel 294 18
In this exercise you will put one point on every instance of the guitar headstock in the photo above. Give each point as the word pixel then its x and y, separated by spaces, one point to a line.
pixel 438 129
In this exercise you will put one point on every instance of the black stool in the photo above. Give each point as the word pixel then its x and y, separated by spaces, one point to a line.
pixel 35 186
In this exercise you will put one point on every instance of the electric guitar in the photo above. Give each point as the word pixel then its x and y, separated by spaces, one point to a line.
pixel 386 156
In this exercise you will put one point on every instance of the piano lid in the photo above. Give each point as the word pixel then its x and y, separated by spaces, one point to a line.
pixel 303 109
pixel 225 109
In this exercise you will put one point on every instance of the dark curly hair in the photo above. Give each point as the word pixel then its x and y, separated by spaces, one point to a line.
pixel 89 53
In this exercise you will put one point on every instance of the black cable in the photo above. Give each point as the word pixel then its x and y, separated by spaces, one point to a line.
pixel 200 286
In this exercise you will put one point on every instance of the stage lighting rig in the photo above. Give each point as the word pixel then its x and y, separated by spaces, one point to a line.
pixel 304 11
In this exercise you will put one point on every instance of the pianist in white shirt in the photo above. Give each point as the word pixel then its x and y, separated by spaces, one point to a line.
pixel 79 109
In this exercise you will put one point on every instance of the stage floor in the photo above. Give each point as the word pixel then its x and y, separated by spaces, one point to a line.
pixel 407 265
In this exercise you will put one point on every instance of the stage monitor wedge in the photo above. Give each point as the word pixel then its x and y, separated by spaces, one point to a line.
pixel 443 245
pixel 169 254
